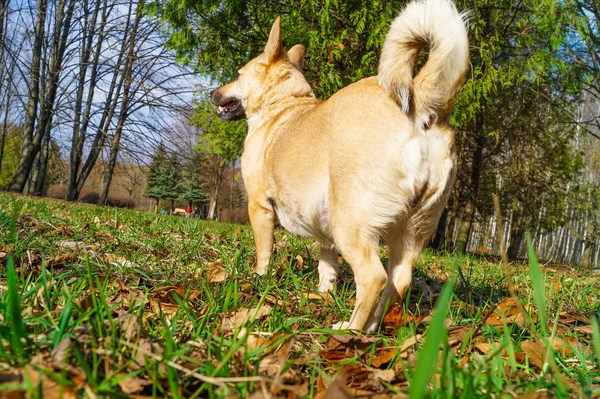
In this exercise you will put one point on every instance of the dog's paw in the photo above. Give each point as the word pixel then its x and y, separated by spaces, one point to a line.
pixel 342 325
pixel 326 285
pixel 372 326
pixel 261 271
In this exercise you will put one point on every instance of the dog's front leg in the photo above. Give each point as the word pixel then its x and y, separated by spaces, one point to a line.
pixel 262 219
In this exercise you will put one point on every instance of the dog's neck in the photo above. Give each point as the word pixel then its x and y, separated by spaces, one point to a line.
pixel 284 108
pixel 287 93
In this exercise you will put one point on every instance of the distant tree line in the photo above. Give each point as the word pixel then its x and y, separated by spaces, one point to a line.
pixel 197 175
pixel 83 84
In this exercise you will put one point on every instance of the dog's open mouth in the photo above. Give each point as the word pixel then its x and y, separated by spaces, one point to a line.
pixel 230 109
pixel 227 107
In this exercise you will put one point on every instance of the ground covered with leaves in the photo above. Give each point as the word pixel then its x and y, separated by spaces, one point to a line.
pixel 102 302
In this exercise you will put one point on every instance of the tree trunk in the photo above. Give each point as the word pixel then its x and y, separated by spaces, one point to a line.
pixel 462 238
pixel 517 232
pixel 6 111
pixel 112 100
pixel 28 149
pixel 440 234
pixel 81 121
pixel 214 198
pixel 232 185
pixel 588 242
pixel 62 28
pixel 43 168
pixel 127 76
pixel 516 238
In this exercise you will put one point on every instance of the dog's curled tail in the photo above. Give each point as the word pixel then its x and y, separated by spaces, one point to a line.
pixel 433 23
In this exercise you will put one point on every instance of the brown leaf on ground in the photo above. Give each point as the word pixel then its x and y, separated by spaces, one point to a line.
pixel 458 334
pixel 535 351
pixel 132 384
pixel 348 341
pixel 67 244
pixel 61 353
pixel 336 390
pixel 396 317
pixel 146 351
pixel 565 348
pixel 584 329
pixel 11 377
pixel 508 311
pixel 238 317
pixel 63 259
pixel 216 272
pixel 341 347
pixel 164 297
pixel 383 356
pixel 3 256
pixel 365 378
pixel 535 394
pixel 62 231
pixel 130 327
pixel 51 389
pixel 299 260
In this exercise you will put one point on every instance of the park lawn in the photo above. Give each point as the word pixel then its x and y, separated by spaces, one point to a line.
pixel 105 302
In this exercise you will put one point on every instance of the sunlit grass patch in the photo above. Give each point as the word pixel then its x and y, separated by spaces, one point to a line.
pixel 109 302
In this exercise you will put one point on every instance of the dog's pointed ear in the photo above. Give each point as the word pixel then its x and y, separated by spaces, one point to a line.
pixel 296 56
pixel 273 49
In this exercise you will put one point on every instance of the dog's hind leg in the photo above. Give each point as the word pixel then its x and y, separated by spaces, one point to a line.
pixel 360 250
pixel 403 254
pixel 329 268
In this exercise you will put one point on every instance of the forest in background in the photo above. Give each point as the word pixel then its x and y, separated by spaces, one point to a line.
pixel 92 89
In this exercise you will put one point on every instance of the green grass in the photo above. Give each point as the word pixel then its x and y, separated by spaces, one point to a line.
pixel 96 300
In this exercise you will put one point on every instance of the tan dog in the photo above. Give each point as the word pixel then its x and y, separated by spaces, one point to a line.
pixel 375 161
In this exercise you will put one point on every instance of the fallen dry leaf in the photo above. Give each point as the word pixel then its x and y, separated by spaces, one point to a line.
pixel 60 354
pixel 342 347
pixel 67 244
pixel 396 317
pixel 383 356
pixel 508 311
pixel 233 321
pixel 535 351
pixel 163 298
pixel 584 329
pixel 51 389
pixel 366 378
pixel 336 390
pixel 130 327
pixel 216 272
pixel 63 259
pixel 144 351
pixel 132 384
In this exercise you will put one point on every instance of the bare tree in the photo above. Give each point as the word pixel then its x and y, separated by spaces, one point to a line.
pixel 28 146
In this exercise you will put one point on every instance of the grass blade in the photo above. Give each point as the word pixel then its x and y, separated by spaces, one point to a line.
pixel 596 338
pixel 428 356
pixel 539 290
pixel 15 319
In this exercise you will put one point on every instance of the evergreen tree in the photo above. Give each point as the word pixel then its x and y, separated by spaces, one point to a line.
pixel 153 174
pixel 221 144
pixel 191 187
pixel 168 179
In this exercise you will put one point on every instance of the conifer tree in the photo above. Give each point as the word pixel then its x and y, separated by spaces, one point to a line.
pixel 153 174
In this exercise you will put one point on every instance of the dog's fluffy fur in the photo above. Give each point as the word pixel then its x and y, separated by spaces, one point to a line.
pixel 374 162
